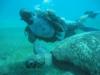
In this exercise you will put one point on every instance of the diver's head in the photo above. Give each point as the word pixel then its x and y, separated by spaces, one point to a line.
pixel 26 16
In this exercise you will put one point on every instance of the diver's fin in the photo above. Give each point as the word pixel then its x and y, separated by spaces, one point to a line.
pixel 87 29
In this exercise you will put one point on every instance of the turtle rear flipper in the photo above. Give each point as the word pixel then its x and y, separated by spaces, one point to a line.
pixel 91 14
pixel 87 29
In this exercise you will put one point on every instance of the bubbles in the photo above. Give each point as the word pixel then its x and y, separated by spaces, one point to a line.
pixel 47 1
pixel 44 5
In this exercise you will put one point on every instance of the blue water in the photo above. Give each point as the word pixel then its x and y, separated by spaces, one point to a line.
pixel 70 9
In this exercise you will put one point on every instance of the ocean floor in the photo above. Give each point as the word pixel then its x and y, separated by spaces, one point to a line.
pixel 14 50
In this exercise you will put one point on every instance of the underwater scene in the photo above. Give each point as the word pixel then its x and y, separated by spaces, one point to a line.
pixel 49 37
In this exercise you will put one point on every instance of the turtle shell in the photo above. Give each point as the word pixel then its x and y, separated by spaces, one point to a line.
pixel 48 26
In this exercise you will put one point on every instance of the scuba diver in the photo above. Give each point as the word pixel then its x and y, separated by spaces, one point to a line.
pixel 47 26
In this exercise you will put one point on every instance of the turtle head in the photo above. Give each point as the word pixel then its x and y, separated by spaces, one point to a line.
pixel 26 16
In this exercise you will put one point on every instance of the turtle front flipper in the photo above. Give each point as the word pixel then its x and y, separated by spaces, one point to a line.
pixel 30 36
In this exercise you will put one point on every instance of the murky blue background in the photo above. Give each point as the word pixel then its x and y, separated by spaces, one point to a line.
pixel 70 9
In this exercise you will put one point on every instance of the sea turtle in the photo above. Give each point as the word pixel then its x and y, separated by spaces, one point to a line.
pixel 43 25
pixel 46 25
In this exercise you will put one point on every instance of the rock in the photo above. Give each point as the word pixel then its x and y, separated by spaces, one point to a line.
pixel 81 52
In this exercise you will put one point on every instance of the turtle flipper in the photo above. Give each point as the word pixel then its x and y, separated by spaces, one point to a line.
pixel 31 38
pixel 91 14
